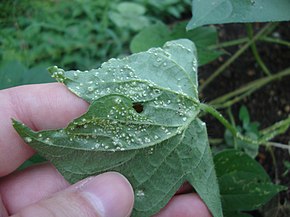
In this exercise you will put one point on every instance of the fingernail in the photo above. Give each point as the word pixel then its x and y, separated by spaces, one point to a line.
pixel 110 194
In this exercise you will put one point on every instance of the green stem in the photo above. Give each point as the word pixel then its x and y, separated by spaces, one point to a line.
pixel 271 28
pixel 234 57
pixel 215 141
pixel 275 40
pixel 229 43
pixel 232 120
pixel 255 50
pixel 238 94
pixel 223 121
pixel 274 163
pixel 278 128
pixel 275 129
pixel 278 145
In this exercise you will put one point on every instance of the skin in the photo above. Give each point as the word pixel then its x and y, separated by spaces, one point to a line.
pixel 40 190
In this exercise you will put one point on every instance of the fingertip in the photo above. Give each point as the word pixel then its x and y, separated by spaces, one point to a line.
pixel 110 194
pixel 185 205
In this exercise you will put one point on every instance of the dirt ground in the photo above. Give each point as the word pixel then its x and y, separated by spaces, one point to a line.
pixel 267 105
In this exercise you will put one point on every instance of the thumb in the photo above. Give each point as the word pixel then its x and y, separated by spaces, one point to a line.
pixel 106 195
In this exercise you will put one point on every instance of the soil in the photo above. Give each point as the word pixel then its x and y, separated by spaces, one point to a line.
pixel 267 105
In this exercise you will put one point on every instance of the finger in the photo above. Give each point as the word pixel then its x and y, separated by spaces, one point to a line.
pixel 106 195
pixel 26 187
pixel 184 188
pixel 3 211
pixel 43 106
pixel 185 205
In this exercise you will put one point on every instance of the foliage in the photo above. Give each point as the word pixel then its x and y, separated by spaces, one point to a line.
pixel 232 11
pixel 14 73
pixel 130 15
pixel 73 34
pixel 287 165
pixel 244 184
pixel 156 35
pixel 81 34
pixel 164 83
pixel 249 129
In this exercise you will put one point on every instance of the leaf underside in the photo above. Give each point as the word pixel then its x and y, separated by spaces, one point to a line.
pixel 142 122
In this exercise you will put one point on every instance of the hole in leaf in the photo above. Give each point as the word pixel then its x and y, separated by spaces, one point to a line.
pixel 138 107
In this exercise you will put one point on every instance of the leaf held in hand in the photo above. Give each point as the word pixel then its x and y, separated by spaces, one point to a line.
pixel 142 122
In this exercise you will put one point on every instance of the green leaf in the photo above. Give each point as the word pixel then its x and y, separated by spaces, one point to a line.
pixel 244 184
pixel 130 14
pixel 142 122
pixel 244 116
pixel 35 159
pixel 156 35
pixel 14 73
pixel 238 11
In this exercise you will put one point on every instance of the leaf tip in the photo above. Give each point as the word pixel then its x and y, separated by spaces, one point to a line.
pixel 57 73
pixel 20 128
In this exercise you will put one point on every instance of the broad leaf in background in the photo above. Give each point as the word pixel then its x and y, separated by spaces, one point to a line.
pixel 244 184
pixel 142 122
pixel 13 73
pixel 156 35
pixel 232 11
pixel 130 15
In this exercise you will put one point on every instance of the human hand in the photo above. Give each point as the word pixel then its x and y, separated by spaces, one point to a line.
pixel 40 190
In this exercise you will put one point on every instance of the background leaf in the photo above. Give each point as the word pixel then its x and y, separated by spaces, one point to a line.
pixel 157 148
pixel 244 184
pixel 13 73
pixel 156 35
pixel 232 11
pixel 130 15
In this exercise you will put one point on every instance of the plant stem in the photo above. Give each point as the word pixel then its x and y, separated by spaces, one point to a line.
pixel 278 145
pixel 234 57
pixel 232 120
pixel 223 121
pixel 275 129
pixel 215 141
pixel 229 43
pixel 274 163
pixel 275 40
pixel 238 94
pixel 255 51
